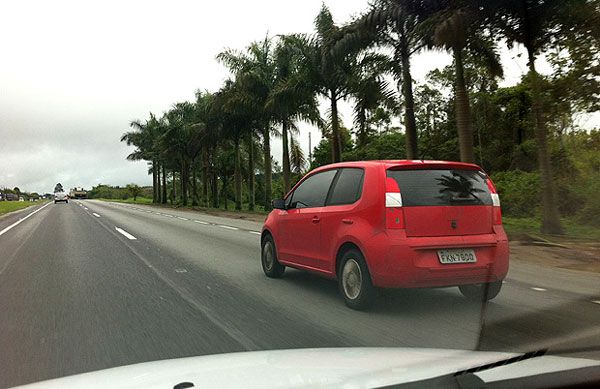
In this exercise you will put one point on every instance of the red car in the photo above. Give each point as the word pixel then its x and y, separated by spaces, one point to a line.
pixel 391 224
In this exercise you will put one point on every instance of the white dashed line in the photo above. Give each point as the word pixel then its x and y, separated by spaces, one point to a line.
pixel 596 301
pixel 539 289
pixel 182 218
pixel 125 233
pixel 200 222
pixel 227 227
pixel 254 232
pixel 181 271
pixel 165 215
pixel 22 220
pixel 95 214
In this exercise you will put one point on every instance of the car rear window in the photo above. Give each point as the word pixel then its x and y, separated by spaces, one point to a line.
pixel 348 187
pixel 442 187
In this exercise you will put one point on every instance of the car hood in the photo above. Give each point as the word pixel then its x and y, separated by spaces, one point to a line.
pixel 339 367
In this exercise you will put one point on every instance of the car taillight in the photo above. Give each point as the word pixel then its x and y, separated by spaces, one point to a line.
pixel 394 214
pixel 497 211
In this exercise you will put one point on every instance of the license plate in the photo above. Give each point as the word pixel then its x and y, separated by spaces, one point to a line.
pixel 457 256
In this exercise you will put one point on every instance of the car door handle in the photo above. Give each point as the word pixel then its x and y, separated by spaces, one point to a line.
pixel 347 221
pixel 316 219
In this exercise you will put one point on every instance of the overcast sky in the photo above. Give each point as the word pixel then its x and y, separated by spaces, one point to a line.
pixel 74 73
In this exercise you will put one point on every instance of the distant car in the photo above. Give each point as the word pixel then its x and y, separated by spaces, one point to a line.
pixel 391 224
pixel 61 197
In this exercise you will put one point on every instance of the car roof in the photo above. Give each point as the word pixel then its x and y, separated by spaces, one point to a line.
pixel 390 163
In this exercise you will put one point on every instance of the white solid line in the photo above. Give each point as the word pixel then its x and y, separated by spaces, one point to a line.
pixel 182 218
pixel 596 301
pixel 21 220
pixel 254 232
pixel 538 289
pixel 227 227
pixel 125 233
pixel 95 214
pixel 200 222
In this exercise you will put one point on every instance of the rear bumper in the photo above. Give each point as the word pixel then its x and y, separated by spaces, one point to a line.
pixel 413 262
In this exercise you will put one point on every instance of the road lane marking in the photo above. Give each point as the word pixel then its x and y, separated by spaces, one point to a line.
pixel 254 232
pixel 227 227
pixel 538 289
pixel 181 271
pixel 167 215
pixel 182 218
pixel 85 208
pixel 125 233
pixel 200 222
pixel 22 220
pixel 596 301
pixel 95 214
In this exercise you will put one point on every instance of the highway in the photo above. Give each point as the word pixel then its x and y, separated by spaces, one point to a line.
pixel 91 285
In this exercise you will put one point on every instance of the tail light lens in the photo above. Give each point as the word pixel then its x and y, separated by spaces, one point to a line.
pixel 394 214
pixel 497 210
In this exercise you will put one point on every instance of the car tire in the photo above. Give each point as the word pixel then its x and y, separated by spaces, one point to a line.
pixel 354 281
pixel 481 292
pixel 268 258
pixel 55 201
pixel 66 201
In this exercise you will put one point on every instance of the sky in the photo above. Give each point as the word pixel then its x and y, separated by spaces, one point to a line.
pixel 73 74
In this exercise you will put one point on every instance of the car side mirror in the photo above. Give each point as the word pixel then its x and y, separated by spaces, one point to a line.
pixel 278 204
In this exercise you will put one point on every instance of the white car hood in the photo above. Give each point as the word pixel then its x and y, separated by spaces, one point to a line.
pixel 333 367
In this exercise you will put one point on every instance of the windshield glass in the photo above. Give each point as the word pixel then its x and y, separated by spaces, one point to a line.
pixel 200 178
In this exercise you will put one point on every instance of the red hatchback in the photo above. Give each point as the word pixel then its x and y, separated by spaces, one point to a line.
pixel 391 224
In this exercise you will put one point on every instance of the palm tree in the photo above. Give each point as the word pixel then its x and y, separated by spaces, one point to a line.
pixel 144 136
pixel 389 24
pixel 291 99
pixel 255 70
pixel 539 25
pixel 328 74
pixel 459 27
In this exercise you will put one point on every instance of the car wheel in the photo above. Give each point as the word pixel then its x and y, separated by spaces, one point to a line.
pixel 55 201
pixel 481 292
pixel 354 281
pixel 270 264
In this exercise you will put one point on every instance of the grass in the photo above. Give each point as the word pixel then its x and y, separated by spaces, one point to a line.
pixel 10 206
pixel 139 200
pixel 531 226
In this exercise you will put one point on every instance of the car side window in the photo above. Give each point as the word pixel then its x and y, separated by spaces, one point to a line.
pixel 313 191
pixel 347 187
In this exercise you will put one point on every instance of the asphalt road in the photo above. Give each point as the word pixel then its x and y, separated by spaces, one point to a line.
pixel 91 285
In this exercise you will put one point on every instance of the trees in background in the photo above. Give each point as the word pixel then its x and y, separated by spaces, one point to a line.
pixel 221 142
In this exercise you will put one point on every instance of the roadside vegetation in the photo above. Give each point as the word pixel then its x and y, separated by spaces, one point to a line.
pixel 10 206
pixel 215 151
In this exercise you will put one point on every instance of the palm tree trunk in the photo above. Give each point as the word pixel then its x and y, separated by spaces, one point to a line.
pixel 410 124
pixel 224 192
pixel 174 196
pixel 463 111
pixel 215 189
pixel 158 199
pixel 182 183
pixel 336 143
pixel 550 215
pixel 194 187
pixel 205 177
pixel 154 181
pixel 268 171
pixel 164 184
pixel 238 175
pixel 361 137
pixel 251 184
pixel 286 157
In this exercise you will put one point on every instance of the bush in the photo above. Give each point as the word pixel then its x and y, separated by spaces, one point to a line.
pixel 519 192
pixel 590 211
